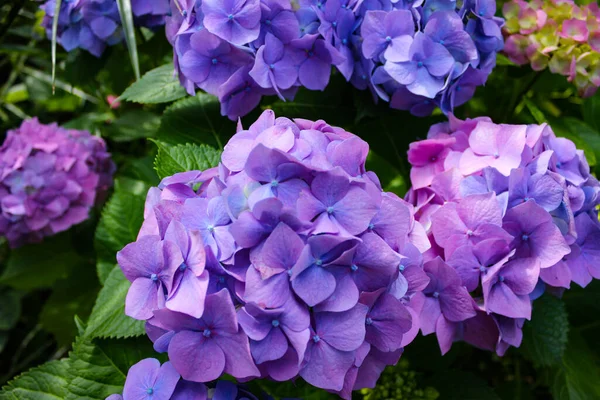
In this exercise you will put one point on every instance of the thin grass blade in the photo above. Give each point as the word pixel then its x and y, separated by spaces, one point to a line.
pixel 126 13
pixel 54 35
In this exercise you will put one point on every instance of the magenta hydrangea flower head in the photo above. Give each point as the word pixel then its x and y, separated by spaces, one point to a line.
pixel 50 178
pixel 92 25
pixel 286 260
pixel 416 56
pixel 511 211
pixel 560 35
pixel 148 380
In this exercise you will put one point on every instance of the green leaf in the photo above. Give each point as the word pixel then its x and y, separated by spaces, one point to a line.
pixel 133 125
pixel 545 336
pixel 195 120
pixel 119 225
pixel 89 121
pixel 73 296
pixel 126 14
pixel 501 59
pixel 591 111
pixel 390 178
pixel 108 319
pixel 579 375
pixel 99 368
pixel 47 382
pixel 40 265
pixel 93 371
pixel 141 169
pixel 537 114
pixel 156 86
pixel 173 159
pixel 10 308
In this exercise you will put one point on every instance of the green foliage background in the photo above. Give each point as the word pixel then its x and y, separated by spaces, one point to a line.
pixel 63 332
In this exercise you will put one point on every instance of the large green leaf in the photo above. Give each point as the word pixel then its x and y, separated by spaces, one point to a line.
pixel 73 296
pixel 156 86
pixel 99 368
pixel 93 371
pixel 545 336
pixel 40 265
pixel 121 220
pixel 133 125
pixel 47 382
pixel 173 159
pixel 578 377
pixel 195 120
pixel 108 319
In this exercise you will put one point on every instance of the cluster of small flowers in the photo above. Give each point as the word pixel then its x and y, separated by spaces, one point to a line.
pixel 511 212
pixel 50 177
pixel 421 54
pixel 292 232
pixel 148 380
pixel 557 34
pixel 94 24
pixel 415 54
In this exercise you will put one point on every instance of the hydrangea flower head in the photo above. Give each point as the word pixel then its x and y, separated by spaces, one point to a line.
pixel 50 178
pixel 559 35
pixel 148 380
pixel 94 24
pixel 285 260
pixel 417 56
pixel 511 211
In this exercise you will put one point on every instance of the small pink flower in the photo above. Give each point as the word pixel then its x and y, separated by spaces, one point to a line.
pixel 528 21
pixel 515 47
pixel 112 101
pixel 575 29
pixel 542 17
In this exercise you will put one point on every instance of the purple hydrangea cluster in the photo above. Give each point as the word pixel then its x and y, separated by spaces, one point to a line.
pixel 511 211
pixel 286 260
pixel 148 380
pixel 50 178
pixel 415 54
pixel 426 53
pixel 94 24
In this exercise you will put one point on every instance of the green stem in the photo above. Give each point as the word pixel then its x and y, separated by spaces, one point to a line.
pixel 518 95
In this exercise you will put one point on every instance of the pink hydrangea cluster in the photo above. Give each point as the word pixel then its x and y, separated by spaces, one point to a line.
pixel 286 260
pixel 50 178
pixel 557 34
pixel 511 211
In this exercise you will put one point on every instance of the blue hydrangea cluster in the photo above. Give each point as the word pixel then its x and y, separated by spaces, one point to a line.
pixel 286 260
pixel 148 380
pixel 415 54
pixel 94 24
pixel 511 212
pixel 50 178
